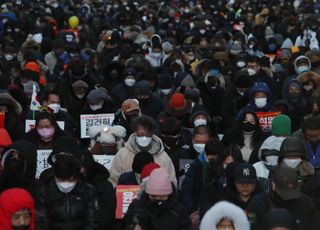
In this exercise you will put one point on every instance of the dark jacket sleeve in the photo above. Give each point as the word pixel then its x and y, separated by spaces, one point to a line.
pixel 92 209
pixel 42 220
pixel 187 188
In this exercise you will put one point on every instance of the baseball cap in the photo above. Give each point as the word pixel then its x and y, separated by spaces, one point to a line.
pixel 245 173
pixel 130 105
pixel 287 183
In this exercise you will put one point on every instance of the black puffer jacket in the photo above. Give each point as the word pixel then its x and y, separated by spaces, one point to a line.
pixel 76 210
pixel 170 216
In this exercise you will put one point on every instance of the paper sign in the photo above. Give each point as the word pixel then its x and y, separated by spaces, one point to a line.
pixel 105 160
pixel 42 161
pixel 31 124
pixel 89 120
pixel 265 120
pixel 184 164
pixel 125 195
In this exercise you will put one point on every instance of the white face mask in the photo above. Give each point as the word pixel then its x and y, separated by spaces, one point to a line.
pixel 129 82
pixel 165 91
pixel 199 122
pixel 156 55
pixel 241 64
pixel 199 148
pixel 308 87
pixel 252 72
pixel 95 107
pixel 80 96
pixel 272 160
pixel 8 57
pixel 302 69
pixel 260 102
pixel 55 107
pixel 143 141
pixel 202 31
pixel 292 163
pixel 66 187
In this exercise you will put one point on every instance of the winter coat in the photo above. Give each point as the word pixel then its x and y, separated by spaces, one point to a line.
pixel 222 210
pixel 11 201
pixel 120 93
pixel 191 186
pixel 67 211
pixel 122 161
pixel 302 209
pixel 171 216
pixel 26 178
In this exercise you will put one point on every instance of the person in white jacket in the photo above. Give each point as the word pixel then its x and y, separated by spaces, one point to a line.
pixel 226 216
pixel 142 139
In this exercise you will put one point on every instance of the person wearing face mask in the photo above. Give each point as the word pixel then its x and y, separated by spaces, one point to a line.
pixel 52 99
pixel 310 82
pixel 149 103
pixel 143 138
pixel 258 74
pixel 98 102
pixel 268 154
pixel 175 138
pixel 294 104
pixel 225 216
pixel 125 90
pixel 165 86
pixel 46 131
pixel 194 178
pixel 160 201
pixel 260 99
pixel 247 135
pixel 65 201
pixel 285 193
pixel 156 56
pixel 57 52
pixel 293 155
pixel 235 98
pixel 17 210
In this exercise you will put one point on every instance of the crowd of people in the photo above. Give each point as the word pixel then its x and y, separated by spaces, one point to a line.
pixel 210 109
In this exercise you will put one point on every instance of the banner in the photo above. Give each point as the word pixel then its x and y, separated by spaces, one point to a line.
pixel 31 124
pixel 265 120
pixel 184 165
pixel 89 120
pixel 42 161
pixel 125 195
pixel 105 160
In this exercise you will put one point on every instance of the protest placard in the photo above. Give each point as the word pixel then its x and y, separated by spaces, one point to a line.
pixel 42 161
pixel 90 120
pixel 265 119
pixel 105 160
pixel 125 195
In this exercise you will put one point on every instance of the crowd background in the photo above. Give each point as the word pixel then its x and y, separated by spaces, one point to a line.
pixel 215 113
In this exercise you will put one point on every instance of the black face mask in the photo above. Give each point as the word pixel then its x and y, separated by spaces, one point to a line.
pixel 248 127
pixel 315 64
pixel 169 141
pixel 16 166
pixel 143 101
pixel 129 118
pixel 159 204
pixel 293 97
pixel 24 227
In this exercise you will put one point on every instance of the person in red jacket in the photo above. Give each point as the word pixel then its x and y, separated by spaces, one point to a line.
pixel 17 210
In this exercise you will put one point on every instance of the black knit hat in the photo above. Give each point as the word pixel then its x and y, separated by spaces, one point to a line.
pixel 140 160
pixel 278 218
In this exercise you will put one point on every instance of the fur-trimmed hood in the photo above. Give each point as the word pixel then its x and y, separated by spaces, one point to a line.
pixel 224 209
pixel 310 75
pixel 298 59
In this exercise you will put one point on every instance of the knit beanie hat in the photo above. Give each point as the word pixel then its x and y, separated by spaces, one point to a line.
pixel 140 160
pixel 177 105
pixel 159 183
pixel 147 170
pixel 279 218
pixel 281 125
pixel 97 95
pixel 5 139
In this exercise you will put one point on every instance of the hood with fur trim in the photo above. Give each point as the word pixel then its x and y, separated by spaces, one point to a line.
pixel 299 58
pixel 224 209
pixel 310 75
pixel 107 135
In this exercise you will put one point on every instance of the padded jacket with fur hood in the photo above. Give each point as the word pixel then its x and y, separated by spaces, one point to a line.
pixel 227 210
pixel 123 159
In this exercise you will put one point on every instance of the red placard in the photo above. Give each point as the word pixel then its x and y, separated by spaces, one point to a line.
pixel 125 195
pixel 265 119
